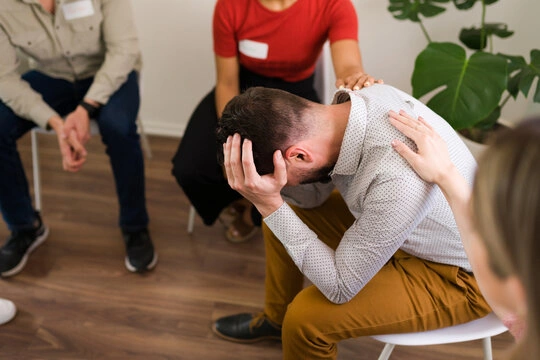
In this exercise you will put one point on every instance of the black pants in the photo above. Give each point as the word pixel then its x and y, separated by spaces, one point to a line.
pixel 195 165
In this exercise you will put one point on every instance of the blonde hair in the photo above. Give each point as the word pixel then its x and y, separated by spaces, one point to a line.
pixel 506 204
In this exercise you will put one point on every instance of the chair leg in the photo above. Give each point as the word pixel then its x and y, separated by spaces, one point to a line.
pixel 486 343
pixel 35 170
pixel 144 139
pixel 387 350
pixel 191 220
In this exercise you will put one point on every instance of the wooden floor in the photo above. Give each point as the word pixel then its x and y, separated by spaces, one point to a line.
pixel 77 301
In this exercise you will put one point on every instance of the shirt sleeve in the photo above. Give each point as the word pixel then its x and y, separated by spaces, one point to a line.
pixel 343 21
pixel 308 195
pixel 390 213
pixel 225 42
pixel 122 50
pixel 17 93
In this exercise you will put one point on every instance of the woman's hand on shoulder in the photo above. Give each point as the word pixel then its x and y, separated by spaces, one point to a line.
pixel 431 161
pixel 356 81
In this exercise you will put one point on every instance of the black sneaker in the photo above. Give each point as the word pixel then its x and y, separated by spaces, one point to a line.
pixel 246 328
pixel 140 255
pixel 14 253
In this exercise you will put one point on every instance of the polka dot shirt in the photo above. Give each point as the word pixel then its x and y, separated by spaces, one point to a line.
pixel 394 208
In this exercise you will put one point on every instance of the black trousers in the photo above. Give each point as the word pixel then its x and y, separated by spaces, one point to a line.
pixel 195 164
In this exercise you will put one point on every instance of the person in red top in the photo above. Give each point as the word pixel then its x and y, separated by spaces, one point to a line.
pixel 269 43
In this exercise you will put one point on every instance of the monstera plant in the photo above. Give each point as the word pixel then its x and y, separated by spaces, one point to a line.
pixel 468 83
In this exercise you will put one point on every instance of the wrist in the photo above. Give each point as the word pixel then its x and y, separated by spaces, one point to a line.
pixel 90 108
pixel 269 207
pixel 55 123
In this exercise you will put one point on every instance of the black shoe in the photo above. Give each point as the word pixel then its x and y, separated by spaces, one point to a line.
pixel 140 251
pixel 246 328
pixel 14 253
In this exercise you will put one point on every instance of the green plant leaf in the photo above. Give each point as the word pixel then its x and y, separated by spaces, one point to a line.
pixel 466 90
pixel 472 37
pixel 522 74
pixel 535 66
pixel 490 120
pixel 410 9
pixel 536 97
pixel 467 4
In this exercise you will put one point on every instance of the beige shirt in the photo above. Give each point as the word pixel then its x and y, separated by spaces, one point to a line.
pixel 84 38
pixel 394 208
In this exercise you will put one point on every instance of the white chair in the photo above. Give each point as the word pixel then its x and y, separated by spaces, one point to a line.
pixel 483 328
pixel 94 130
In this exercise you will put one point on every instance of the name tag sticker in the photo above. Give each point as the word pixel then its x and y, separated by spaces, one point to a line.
pixel 78 9
pixel 254 49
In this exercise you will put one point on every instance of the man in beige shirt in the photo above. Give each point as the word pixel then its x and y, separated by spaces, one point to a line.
pixel 86 57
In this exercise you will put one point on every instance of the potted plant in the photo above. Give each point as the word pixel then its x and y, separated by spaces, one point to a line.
pixel 468 84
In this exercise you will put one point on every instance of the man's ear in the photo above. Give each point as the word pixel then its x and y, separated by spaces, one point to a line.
pixel 298 154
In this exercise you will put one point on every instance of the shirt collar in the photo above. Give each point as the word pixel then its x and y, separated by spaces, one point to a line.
pixel 352 146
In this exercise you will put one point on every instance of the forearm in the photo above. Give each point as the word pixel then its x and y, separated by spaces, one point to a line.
pixel 24 101
pixel 457 192
pixel 346 58
pixel 224 93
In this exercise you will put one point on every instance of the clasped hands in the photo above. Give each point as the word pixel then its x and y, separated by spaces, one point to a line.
pixel 262 191
pixel 72 135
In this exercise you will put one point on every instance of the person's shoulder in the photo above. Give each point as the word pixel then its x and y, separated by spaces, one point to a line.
pixel 12 5
pixel 339 4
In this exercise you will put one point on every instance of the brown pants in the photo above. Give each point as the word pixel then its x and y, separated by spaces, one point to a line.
pixel 408 294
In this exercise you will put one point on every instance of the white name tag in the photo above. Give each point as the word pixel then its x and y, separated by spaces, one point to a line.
pixel 78 9
pixel 254 49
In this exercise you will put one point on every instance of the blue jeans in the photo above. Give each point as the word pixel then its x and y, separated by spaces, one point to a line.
pixel 118 129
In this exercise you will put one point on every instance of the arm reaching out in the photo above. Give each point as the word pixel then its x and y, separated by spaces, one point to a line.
pixel 432 163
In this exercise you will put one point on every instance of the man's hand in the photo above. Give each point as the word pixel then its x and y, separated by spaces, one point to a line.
pixel 79 123
pixel 73 152
pixel 262 191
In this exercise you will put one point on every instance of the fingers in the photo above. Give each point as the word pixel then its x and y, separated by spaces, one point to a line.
pixel 280 169
pixel 357 81
pixel 233 161
pixel 404 151
pixel 70 162
pixel 248 166
pixel 78 148
pixel 404 123
pixel 73 153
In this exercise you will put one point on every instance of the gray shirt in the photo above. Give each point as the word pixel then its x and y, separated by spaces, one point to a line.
pixel 393 207
pixel 83 38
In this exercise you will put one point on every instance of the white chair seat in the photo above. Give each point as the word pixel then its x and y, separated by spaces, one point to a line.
pixel 483 328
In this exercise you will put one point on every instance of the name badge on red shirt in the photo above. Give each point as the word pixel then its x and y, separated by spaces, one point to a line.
pixel 254 49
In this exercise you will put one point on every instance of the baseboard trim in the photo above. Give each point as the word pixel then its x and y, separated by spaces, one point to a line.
pixel 162 128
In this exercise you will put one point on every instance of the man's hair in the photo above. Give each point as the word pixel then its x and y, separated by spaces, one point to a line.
pixel 272 119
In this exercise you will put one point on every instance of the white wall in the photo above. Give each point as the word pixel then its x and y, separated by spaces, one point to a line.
pixel 176 41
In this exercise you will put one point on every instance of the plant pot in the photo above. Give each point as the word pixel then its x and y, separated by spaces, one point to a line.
pixel 475 147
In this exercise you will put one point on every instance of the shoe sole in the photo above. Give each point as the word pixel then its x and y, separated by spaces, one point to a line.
pixel 244 341
pixel 39 240
pixel 150 266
